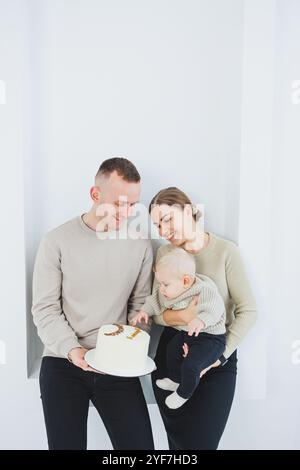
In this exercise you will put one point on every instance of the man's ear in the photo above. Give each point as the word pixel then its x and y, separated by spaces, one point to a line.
pixel 95 194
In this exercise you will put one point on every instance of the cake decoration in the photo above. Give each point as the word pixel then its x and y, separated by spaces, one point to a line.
pixel 115 355
pixel 136 332
pixel 119 330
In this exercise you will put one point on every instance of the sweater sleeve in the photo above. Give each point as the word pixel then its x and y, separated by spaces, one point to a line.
pixel 52 325
pixel 242 296
pixel 152 304
pixel 142 288
pixel 211 306
pixel 159 319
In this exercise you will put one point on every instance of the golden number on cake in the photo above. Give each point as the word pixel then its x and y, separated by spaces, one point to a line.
pixel 119 330
pixel 136 332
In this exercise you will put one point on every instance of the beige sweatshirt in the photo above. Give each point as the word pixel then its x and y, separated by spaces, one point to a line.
pixel 81 282
pixel 211 308
pixel 222 262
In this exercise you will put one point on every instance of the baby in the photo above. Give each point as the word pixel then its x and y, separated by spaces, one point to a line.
pixel 176 283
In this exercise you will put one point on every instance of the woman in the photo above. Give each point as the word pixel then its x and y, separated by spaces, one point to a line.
pixel 199 424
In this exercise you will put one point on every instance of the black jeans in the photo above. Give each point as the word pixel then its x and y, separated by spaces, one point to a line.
pixel 204 350
pixel 65 393
pixel 200 422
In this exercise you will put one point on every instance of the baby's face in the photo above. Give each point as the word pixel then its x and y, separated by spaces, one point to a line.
pixel 171 286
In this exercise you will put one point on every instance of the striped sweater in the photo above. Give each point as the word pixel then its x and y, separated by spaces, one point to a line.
pixel 211 308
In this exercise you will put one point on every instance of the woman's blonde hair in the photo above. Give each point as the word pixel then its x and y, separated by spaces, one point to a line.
pixel 173 196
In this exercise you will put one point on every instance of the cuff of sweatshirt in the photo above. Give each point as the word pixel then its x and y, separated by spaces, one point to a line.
pixel 147 309
pixel 223 360
pixel 67 345
pixel 159 320
pixel 227 353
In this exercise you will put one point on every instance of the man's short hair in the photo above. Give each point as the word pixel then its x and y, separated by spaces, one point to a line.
pixel 122 166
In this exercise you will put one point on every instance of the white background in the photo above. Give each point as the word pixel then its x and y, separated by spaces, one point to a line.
pixel 198 94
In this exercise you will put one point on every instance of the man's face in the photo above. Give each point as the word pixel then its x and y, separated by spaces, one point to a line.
pixel 117 198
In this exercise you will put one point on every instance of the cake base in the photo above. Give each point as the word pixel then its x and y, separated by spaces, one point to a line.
pixel 90 359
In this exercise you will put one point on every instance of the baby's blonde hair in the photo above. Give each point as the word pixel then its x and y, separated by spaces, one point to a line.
pixel 178 261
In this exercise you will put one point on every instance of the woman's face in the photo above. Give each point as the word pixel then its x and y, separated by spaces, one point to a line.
pixel 173 222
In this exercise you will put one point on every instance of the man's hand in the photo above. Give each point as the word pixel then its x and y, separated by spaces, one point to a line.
pixel 195 326
pixel 141 316
pixel 76 355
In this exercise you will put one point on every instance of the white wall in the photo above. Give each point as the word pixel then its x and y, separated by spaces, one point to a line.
pixel 160 82
pixel 285 263
pixel 141 79
pixel 269 225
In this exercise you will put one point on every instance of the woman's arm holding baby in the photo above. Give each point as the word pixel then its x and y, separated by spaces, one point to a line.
pixel 178 317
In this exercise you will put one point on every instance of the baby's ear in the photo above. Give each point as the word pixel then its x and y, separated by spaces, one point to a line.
pixel 187 280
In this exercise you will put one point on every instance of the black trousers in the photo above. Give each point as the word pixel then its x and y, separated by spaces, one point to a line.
pixel 204 350
pixel 200 422
pixel 65 393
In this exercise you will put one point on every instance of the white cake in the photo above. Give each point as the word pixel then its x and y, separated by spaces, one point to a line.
pixel 121 347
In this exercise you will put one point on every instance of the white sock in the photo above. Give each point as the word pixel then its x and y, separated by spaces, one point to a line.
pixel 167 384
pixel 175 401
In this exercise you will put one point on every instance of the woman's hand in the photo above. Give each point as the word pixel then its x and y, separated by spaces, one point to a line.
pixel 190 312
pixel 195 326
pixel 215 364
pixel 182 317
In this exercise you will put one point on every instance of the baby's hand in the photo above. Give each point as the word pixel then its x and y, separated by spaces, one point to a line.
pixel 195 326
pixel 139 317
pixel 185 348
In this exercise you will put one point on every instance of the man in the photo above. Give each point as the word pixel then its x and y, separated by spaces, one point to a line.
pixel 82 281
